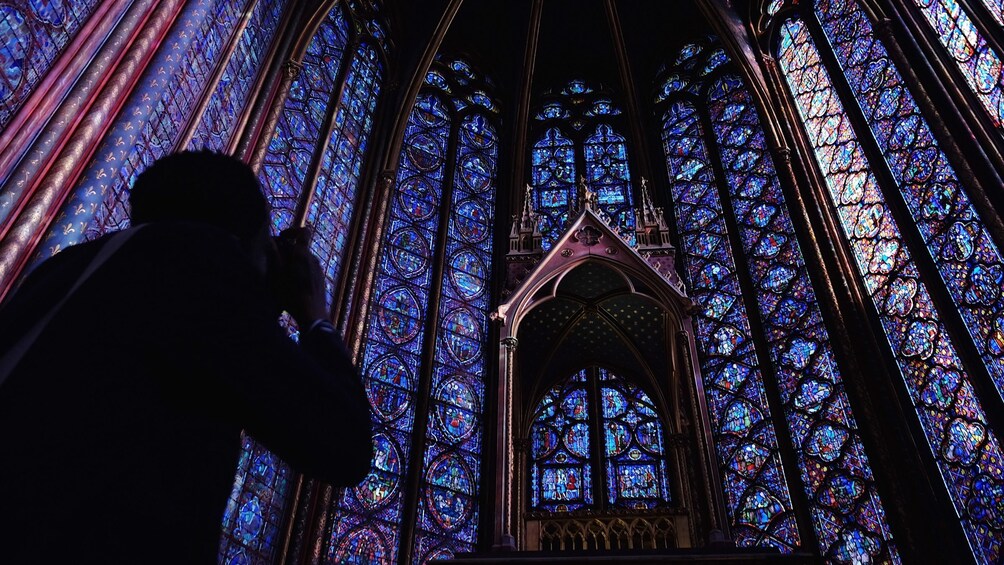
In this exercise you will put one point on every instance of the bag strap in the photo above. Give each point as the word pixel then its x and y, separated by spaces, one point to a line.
pixel 14 355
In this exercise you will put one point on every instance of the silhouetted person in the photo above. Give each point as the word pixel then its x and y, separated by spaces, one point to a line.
pixel 119 428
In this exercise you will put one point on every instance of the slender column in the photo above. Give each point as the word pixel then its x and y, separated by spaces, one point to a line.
pixel 505 449
pixel 255 154
pixel 523 110
pixel 52 187
pixel 630 95
pixel 97 39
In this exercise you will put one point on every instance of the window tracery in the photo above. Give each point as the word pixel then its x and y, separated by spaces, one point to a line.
pixel 951 414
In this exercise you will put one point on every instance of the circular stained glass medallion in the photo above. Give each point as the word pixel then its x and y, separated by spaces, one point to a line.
pixel 618 437
pixel 385 476
pixel 545 440
pixel 577 440
pixel 417 198
pixel 463 335
pixel 409 252
pixel 424 151
pixel 399 314
pixel 249 518
pixel 456 409
pixel 467 273
pixel 649 436
pixel 448 491
pixel 471 221
pixel 388 386
pixel 363 546
pixel 475 173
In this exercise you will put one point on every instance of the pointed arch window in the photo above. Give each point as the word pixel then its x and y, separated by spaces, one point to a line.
pixel 579 138
pixel 596 428
pixel 333 99
pixel 764 332
pixel 896 161
pixel 424 356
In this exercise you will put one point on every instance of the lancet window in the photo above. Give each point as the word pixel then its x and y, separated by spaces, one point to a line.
pixel 904 211
pixel 770 375
pixel 424 358
pixel 579 141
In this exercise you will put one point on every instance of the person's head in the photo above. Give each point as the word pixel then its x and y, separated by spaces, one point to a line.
pixel 209 187
pixel 201 186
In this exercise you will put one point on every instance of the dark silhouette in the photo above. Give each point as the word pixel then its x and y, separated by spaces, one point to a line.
pixel 119 428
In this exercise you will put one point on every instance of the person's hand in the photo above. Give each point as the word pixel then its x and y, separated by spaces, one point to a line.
pixel 302 288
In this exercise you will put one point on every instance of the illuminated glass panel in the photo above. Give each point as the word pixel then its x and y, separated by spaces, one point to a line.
pixel 979 64
pixel 149 124
pixel 757 493
pixel 341 167
pixel 219 120
pixel 253 516
pixel 33 34
pixel 391 358
pixel 560 472
pixel 966 451
pixel 608 176
pixel 967 258
pixel 996 9
pixel 847 513
pixel 633 454
pixel 554 183
pixel 447 506
pixel 285 165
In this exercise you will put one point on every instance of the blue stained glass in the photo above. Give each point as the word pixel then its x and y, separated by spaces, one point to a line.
pixel 284 168
pixel 219 121
pixel 33 34
pixel 752 472
pixel 554 183
pixel 448 517
pixel 608 176
pixel 915 333
pixel 334 195
pixel 560 471
pixel 393 346
pixel 810 382
pixel 977 61
pixel 969 261
pixel 148 125
pixel 253 516
pixel 635 462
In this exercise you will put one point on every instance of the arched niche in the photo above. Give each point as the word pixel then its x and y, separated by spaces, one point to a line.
pixel 593 302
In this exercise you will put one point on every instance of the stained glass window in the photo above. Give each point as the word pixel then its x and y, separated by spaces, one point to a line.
pixel 632 445
pixel 151 121
pixel 433 193
pixel 312 94
pixel 229 97
pixel 561 473
pixel 285 165
pixel 554 181
pixel 951 415
pixel 341 167
pixel 564 442
pixel 979 63
pixel 608 176
pixel 580 141
pixel 33 34
pixel 755 485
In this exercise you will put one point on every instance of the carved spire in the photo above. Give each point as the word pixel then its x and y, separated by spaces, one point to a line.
pixel 525 236
pixel 651 230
